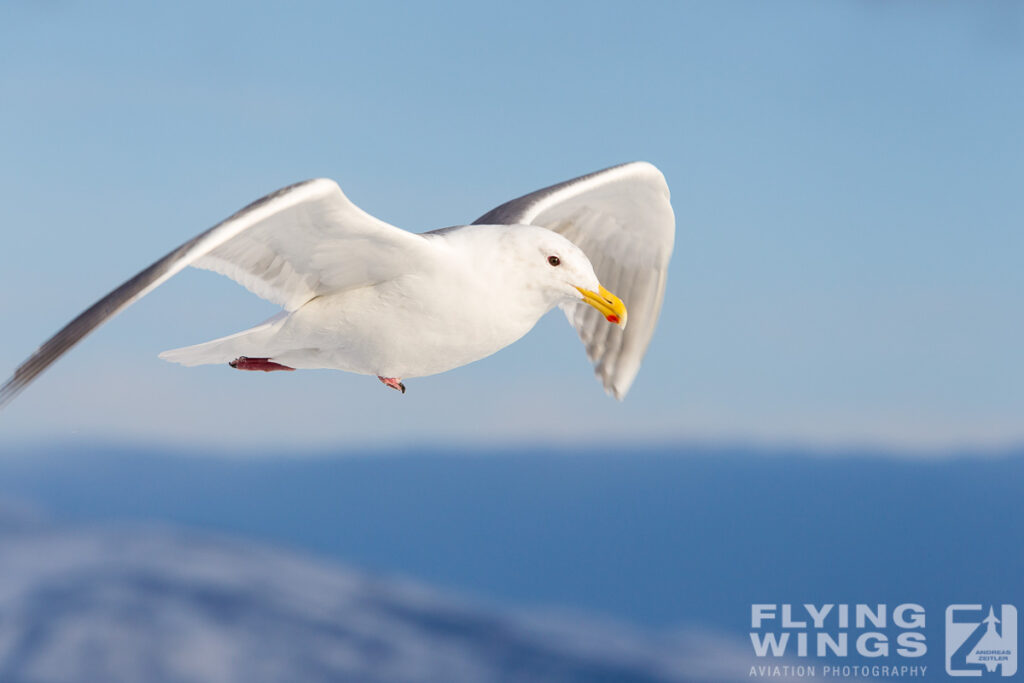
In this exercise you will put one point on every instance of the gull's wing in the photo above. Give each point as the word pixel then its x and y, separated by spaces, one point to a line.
pixel 295 244
pixel 622 220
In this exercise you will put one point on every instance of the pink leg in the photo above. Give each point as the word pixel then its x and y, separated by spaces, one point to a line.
pixel 393 382
pixel 257 364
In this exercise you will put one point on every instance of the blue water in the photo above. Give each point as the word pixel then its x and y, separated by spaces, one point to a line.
pixel 660 537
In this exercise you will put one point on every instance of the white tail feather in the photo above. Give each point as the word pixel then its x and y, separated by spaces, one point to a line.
pixel 251 342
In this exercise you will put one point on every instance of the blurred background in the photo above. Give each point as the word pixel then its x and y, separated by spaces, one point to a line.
pixel 829 411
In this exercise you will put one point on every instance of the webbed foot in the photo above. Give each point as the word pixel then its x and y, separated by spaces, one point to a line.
pixel 257 364
pixel 393 382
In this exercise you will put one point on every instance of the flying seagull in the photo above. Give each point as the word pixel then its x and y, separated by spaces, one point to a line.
pixel 362 296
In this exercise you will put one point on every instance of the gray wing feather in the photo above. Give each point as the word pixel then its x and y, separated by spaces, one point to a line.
pixel 622 219
pixel 97 314
pixel 203 251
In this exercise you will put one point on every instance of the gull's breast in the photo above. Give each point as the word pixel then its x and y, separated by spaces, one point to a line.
pixel 411 326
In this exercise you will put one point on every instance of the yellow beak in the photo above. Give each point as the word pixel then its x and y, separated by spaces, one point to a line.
pixel 610 306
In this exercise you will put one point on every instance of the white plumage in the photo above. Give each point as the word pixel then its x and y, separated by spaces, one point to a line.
pixel 363 296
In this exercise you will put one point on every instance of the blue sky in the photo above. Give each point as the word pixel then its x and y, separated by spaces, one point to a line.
pixel 846 179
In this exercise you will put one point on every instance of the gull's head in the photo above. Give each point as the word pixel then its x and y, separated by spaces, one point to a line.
pixel 560 271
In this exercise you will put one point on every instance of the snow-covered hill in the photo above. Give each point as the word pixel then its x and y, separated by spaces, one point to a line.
pixel 160 604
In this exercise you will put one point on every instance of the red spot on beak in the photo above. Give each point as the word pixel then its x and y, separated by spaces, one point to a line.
pixel 612 318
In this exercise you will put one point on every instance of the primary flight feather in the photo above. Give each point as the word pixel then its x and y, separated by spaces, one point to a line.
pixel 362 296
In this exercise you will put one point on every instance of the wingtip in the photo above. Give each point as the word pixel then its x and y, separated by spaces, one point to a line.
pixel 9 391
pixel 615 392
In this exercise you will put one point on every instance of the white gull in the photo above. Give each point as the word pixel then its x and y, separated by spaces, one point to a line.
pixel 362 296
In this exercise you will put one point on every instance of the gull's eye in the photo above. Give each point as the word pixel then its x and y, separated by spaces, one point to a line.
pixel 554 260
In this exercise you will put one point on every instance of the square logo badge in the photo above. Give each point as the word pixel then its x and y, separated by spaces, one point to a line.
pixel 981 640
